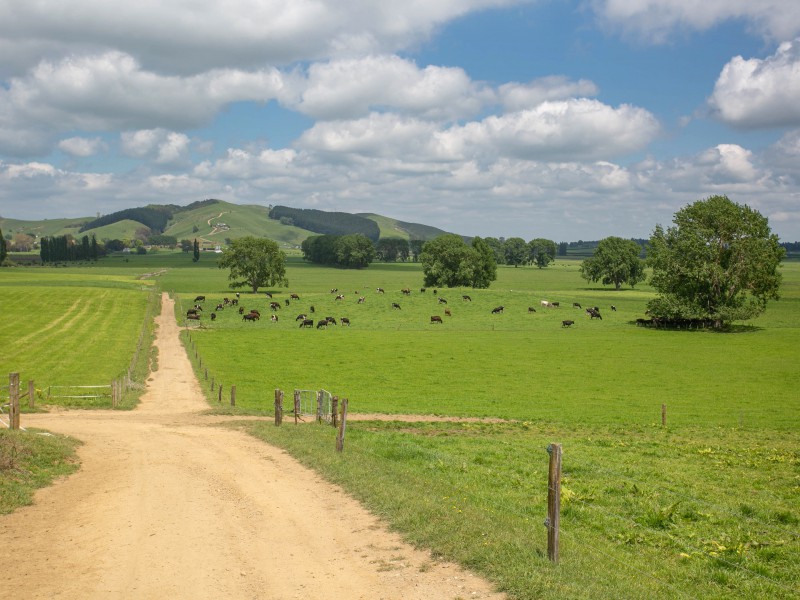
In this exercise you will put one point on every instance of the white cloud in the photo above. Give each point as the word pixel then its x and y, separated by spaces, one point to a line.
pixel 517 96
pixel 656 20
pixel 752 93
pixel 175 37
pixel 161 146
pixel 352 87
pixel 83 147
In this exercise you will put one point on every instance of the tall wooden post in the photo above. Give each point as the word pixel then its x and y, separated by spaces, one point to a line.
pixel 13 395
pixel 342 427
pixel 233 395
pixel 553 501
pixel 319 406
pixel 113 393
pixel 219 393
pixel 31 393
pixel 334 410
pixel 278 407
pixel 663 415
pixel 296 406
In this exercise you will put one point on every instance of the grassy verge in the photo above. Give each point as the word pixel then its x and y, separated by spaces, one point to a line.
pixel 29 461
pixel 646 512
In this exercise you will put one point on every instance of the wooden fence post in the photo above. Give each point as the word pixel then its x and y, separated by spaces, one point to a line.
pixel 278 407
pixel 206 373
pixel 553 501
pixel 212 383
pixel 334 410
pixel 114 389
pixel 13 395
pixel 319 406
pixel 663 415
pixel 342 427
pixel 219 393
pixel 31 393
pixel 296 406
pixel 233 395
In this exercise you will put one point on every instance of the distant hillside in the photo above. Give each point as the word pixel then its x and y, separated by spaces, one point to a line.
pixel 411 231
pixel 43 228
pixel 324 222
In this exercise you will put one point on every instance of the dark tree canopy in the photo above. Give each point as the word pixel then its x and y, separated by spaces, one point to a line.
pixel 3 248
pixel 719 262
pixel 254 263
pixel 516 251
pixel 616 261
pixel 448 261
pixel 542 252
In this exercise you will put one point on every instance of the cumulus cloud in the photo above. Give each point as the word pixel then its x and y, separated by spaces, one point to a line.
pixel 161 146
pixel 753 93
pixel 82 147
pixel 350 88
pixel 234 34
pixel 518 96
pixel 656 20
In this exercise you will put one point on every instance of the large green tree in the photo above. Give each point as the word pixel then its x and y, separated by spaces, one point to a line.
pixel 3 250
pixel 254 263
pixel 447 261
pixel 354 251
pixel 516 251
pixel 542 251
pixel 719 262
pixel 616 261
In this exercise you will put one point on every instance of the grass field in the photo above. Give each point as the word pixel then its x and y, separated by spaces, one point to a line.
pixel 706 507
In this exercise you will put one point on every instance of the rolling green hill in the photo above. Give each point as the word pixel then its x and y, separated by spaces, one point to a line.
pixel 211 222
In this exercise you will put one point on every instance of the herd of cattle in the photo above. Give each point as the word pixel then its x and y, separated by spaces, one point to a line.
pixel 307 321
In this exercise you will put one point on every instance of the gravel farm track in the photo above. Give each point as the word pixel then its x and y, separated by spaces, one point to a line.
pixel 167 504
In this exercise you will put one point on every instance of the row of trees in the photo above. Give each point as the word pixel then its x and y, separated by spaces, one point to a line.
pixel 351 251
pixel 63 248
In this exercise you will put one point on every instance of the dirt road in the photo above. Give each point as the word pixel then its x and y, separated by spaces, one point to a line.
pixel 167 505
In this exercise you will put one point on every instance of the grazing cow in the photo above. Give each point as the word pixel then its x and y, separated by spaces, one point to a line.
pixel 334 290
pixel 531 310
pixel 361 300
pixel 497 310
pixel 567 323
pixel 191 311
pixel 274 318
pixel 226 301
pixel 555 304
pixel 545 303
pixel 323 324
pixel 301 317
pixel 435 292
pixel 442 300
pixel 436 319
pixel 268 295
pixel 219 307
pixel 307 323
pixel 331 320
pixel 613 308
pixel 395 306
pixel 379 290
pixel 194 317
pixel 576 305
pixel 594 314
pixel 198 307
pixel 234 302
pixel 213 316
pixel 447 312
pixel 340 297
pixel 345 321
pixel 275 305
pixel 241 310
pixel 294 296
pixel 237 295
pixel 200 299
pixel 406 291
pixel 422 290
pixel 254 311
pixel 466 298
pixel 251 317
pixel 311 308
pixel 287 302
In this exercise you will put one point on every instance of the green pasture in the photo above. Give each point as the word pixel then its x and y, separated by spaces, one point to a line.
pixel 73 327
pixel 705 507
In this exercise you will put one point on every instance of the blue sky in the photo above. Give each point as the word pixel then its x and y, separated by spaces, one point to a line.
pixel 564 119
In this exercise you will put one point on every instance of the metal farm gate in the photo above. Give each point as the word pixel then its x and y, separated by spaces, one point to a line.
pixel 313 403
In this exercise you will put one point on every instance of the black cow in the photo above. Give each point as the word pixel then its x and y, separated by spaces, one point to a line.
pixel 268 294
pixel 497 310
pixel 613 308
pixel 442 300
pixel 594 314
pixel 567 323
pixel 395 306
pixel 251 317
pixel 301 317
pixel 436 319
pixel 576 305
pixel 331 320
pixel 275 305
pixel 379 290
pixel 322 324
pixel 466 298
pixel 345 321
pixel 213 316
pixel 294 296
pixel 191 311
pixel 405 292
pixel 199 298
pixel 531 310
pixel 307 323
